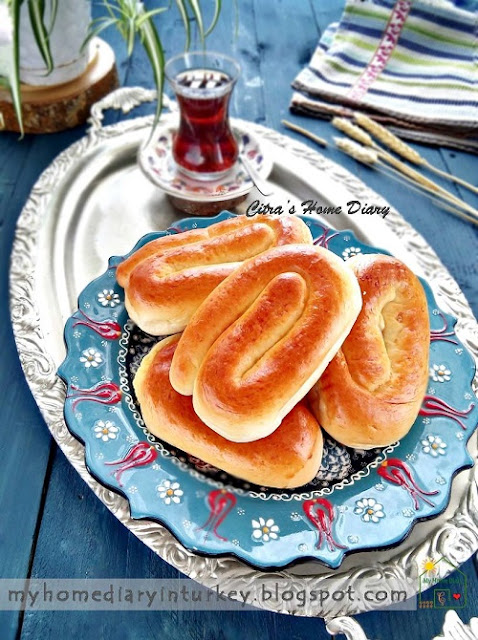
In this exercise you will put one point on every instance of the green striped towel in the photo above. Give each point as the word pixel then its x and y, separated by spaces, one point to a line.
pixel 409 63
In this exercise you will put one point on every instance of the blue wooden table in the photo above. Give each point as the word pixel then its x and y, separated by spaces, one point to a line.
pixel 51 525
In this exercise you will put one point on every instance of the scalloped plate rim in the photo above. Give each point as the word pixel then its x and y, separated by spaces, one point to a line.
pixel 303 559
pixel 298 558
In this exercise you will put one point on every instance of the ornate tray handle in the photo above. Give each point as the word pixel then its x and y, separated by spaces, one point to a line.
pixel 126 99
pixel 343 625
pixel 453 628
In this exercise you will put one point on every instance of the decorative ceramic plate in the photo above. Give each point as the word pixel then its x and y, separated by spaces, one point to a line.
pixel 157 163
pixel 359 499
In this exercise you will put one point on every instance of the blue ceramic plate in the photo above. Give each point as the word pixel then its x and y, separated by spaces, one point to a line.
pixel 359 500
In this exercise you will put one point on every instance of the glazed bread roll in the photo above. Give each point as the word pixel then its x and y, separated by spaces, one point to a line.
pixel 167 279
pixel 370 394
pixel 263 337
pixel 288 458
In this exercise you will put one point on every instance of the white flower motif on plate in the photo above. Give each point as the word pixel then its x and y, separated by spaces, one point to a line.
pixel 108 298
pixel 170 492
pixel 264 530
pixel 434 446
pixel 369 509
pixel 350 252
pixel 440 373
pixel 105 430
pixel 91 358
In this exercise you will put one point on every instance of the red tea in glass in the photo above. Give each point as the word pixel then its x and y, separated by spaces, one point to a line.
pixel 204 146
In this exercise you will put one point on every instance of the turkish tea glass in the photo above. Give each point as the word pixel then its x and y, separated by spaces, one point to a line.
pixel 204 146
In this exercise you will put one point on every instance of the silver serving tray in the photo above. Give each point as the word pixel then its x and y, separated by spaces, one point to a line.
pixel 93 202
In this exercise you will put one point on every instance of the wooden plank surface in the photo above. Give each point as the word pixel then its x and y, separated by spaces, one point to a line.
pixel 51 525
pixel 25 442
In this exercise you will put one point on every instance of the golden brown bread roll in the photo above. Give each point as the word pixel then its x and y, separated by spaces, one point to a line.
pixel 370 394
pixel 288 458
pixel 262 338
pixel 167 279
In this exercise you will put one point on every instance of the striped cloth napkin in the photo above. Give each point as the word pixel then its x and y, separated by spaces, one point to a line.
pixel 410 64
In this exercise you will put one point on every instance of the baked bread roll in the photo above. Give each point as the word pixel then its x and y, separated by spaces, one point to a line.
pixel 370 394
pixel 288 458
pixel 167 279
pixel 263 337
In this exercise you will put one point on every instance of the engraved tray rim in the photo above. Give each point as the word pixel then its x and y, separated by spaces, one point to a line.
pixel 456 535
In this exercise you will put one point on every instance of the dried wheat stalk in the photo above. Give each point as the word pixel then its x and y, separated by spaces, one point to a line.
pixel 410 184
pixel 352 131
pixel 404 150
pixel 396 145
pixel 357 151
pixel 425 182
pixel 371 157
pixel 304 132
pixel 389 139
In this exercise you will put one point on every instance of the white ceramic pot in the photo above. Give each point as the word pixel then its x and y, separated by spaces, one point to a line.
pixel 68 35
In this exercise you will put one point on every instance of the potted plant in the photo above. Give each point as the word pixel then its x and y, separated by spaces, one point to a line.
pixel 45 43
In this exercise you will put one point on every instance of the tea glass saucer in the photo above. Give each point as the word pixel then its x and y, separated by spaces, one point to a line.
pixel 157 163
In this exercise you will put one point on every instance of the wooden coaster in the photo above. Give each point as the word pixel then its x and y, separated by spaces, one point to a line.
pixel 63 106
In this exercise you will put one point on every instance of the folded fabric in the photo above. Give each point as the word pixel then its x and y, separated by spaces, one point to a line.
pixel 410 63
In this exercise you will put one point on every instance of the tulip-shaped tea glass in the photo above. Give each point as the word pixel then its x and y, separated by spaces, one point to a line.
pixel 204 147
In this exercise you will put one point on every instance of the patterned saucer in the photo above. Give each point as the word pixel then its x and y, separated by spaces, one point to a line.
pixel 156 162
pixel 359 500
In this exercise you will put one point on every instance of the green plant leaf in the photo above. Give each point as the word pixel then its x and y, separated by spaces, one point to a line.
pixel 154 50
pixel 217 11
pixel 196 9
pixel 181 4
pixel 131 31
pixel 109 8
pixel 53 14
pixel 36 9
pixel 14 80
pixel 96 27
pixel 150 14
